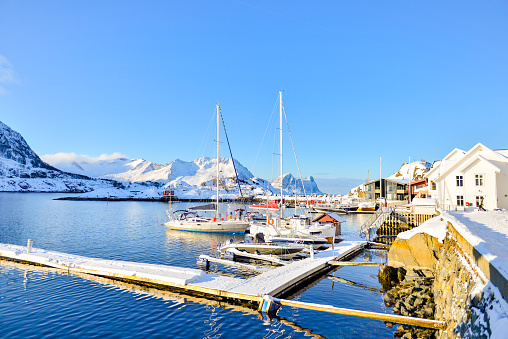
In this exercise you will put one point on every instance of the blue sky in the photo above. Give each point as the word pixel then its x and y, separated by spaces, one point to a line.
pixel 360 80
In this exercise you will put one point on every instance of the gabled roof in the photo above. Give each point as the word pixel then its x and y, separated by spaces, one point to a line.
pixel 471 156
pixel 454 152
pixel 448 158
pixel 475 160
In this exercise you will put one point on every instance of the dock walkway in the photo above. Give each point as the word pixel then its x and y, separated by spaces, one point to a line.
pixel 273 282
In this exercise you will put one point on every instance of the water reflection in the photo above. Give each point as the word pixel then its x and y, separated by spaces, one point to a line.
pixel 275 327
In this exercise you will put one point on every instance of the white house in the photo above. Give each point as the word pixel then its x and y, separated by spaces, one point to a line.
pixel 468 179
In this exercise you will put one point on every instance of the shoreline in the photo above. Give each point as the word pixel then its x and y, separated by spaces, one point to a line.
pixel 157 199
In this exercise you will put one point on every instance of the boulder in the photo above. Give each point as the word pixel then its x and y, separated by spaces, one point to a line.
pixel 388 276
pixel 419 251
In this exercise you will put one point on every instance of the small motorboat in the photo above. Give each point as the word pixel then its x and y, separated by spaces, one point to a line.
pixel 257 245
pixel 315 241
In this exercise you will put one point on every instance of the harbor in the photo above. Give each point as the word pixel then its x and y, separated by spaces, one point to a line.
pixel 143 242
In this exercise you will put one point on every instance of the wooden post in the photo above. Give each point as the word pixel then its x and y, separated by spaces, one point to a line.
pixel 365 314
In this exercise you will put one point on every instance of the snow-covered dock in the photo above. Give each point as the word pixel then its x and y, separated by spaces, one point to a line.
pixel 274 282
pixel 254 291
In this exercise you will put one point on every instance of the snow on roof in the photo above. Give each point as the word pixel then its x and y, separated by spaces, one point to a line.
pixel 423 202
pixel 503 152
pixel 336 217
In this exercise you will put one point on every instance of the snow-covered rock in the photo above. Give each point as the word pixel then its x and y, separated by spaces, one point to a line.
pixel 413 171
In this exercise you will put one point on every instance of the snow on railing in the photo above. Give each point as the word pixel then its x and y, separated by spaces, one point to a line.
pixel 370 227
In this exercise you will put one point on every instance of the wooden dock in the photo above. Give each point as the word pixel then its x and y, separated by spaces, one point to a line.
pixel 277 282
pixel 273 282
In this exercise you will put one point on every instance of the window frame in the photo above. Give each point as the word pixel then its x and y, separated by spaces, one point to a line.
pixel 460 200
pixel 479 180
pixel 459 180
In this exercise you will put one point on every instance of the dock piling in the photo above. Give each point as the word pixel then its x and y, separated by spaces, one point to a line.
pixel 29 246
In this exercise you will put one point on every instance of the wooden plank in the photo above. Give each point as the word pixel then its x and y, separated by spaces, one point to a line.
pixel 292 282
pixel 399 319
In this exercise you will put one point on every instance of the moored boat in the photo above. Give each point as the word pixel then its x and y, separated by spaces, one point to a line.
pixel 190 221
pixel 259 247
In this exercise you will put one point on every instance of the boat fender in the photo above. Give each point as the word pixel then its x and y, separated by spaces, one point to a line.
pixel 270 221
pixel 228 255
pixel 269 305
pixel 203 264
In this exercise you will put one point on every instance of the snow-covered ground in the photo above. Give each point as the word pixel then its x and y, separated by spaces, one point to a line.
pixel 487 231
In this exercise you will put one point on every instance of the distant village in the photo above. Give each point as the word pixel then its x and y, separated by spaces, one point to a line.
pixel 474 179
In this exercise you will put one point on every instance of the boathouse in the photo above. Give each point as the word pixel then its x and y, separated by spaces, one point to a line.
pixel 331 218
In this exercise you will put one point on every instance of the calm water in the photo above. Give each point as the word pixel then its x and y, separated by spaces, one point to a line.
pixel 37 302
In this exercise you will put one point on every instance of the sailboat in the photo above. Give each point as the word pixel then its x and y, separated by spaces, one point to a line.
pixel 278 229
pixel 189 220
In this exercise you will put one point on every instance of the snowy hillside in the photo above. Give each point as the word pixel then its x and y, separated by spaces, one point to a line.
pixel 89 166
pixel 21 169
pixel 413 171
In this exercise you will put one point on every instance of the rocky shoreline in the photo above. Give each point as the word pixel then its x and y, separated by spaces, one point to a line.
pixel 410 293
pixel 432 278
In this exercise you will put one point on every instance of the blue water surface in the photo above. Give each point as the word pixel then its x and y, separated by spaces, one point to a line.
pixel 39 302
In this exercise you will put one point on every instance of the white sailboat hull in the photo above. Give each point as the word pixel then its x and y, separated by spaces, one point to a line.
pixel 208 227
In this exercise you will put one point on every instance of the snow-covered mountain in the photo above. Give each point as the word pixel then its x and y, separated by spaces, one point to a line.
pixel 21 169
pixel 292 185
pixel 118 167
pixel 198 176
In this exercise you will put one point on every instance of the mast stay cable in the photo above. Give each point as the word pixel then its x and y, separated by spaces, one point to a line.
pixel 231 153
pixel 296 158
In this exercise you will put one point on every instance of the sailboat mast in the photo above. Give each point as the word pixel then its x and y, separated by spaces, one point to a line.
pixel 217 198
pixel 280 124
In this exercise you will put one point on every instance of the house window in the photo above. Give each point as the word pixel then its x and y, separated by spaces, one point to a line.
pixel 460 180
pixel 479 201
pixel 478 179
pixel 460 200
pixel 433 185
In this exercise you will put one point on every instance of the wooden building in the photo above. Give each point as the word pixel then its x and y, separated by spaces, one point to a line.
pixel 331 218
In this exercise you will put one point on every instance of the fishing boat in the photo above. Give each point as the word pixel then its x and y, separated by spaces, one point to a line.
pixel 190 221
pixel 257 246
